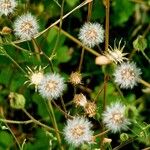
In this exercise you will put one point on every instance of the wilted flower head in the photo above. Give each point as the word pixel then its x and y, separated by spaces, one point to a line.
pixel 90 109
pixel 75 78
pixel 114 117
pixel 78 131
pixel 80 100
pixel 127 75
pixel 91 34
pixel 7 6
pixel 51 86
pixel 26 26
pixel 116 54
pixel 35 76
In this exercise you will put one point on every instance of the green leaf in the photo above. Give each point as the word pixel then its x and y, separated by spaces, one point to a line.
pixel 63 54
pixel 121 11
pixel 6 140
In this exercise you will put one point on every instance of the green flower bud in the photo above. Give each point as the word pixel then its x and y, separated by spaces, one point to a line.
pixel 124 137
pixel 17 101
pixel 140 43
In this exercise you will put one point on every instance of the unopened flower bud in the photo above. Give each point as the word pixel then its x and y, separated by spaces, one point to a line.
pixel 17 101
pixel 124 137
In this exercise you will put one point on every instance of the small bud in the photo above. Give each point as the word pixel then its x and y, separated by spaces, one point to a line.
pixel 6 30
pixel 75 78
pixel 124 137
pixel 102 60
pixel 17 101
pixel 90 109
pixel 140 43
pixel 107 140
pixel 80 100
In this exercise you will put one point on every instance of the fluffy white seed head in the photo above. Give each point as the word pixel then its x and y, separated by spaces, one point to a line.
pixel 114 117
pixel 91 34
pixel 26 26
pixel 7 6
pixel 116 54
pixel 51 86
pixel 78 131
pixel 127 75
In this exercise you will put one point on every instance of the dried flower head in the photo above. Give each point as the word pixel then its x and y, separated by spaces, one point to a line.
pixel 75 78
pixel 91 34
pixel 127 75
pixel 90 109
pixel 51 86
pixel 107 140
pixel 35 76
pixel 78 131
pixel 7 6
pixel 116 54
pixel 114 117
pixel 6 30
pixel 26 26
pixel 102 60
pixel 79 100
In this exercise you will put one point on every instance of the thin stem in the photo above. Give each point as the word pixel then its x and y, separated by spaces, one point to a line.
pixel 6 54
pixel 100 134
pixel 105 88
pixel 146 57
pixel 13 136
pixel 123 144
pixel 60 26
pixel 64 113
pixel 56 22
pixel 55 124
pixel 78 42
pixel 107 6
pixel 20 48
pixel 37 49
pixel 99 92
pixel 81 60
pixel 144 82
pixel 38 122
pixel 63 104
pixel 16 121
pixel 132 54
pixel 43 53
pixel 89 11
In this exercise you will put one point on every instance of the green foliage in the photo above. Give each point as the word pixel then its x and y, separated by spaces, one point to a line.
pixel 129 20
pixel 6 141
pixel 122 10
